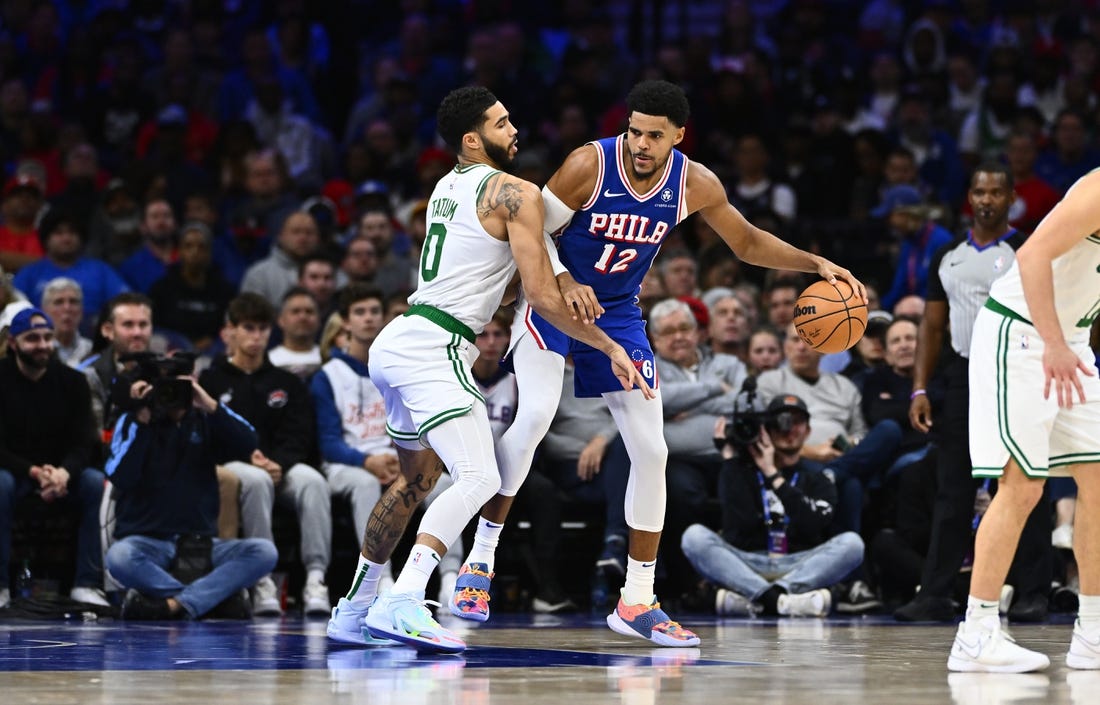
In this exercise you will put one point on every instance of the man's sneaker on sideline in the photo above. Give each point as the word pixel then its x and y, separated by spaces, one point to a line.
pixel 470 599
pixel 552 601
pixel 347 627
pixel 404 617
pixel 89 596
pixel 728 603
pixel 857 599
pixel 265 598
pixel 612 562
pixel 1084 650
pixel 815 603
pixel 988 649
pixel 315 599
pixel 651 623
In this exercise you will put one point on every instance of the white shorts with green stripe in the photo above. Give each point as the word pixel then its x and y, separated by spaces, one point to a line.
pixel 424 374
pixel 1009 416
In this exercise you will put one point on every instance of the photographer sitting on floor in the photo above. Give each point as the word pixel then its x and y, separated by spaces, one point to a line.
pixel 162 464
pixel 776 512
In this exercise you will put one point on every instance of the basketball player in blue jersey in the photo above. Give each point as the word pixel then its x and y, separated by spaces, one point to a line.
pixel 614 201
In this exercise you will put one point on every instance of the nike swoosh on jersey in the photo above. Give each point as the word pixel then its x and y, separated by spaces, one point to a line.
pixel 608 194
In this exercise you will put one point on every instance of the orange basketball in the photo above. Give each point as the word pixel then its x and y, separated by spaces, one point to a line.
pixel 830 318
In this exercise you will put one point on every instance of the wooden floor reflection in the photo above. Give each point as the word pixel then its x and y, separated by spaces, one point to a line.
pixel 518 660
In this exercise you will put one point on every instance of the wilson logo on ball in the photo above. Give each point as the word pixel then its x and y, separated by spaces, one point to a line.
pixel 804 310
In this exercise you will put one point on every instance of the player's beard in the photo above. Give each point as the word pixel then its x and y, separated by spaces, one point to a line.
pixel 500 155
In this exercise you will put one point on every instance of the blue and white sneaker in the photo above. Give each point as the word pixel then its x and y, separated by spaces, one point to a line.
pixel 346 626
pixel 650 622
pixel 406 618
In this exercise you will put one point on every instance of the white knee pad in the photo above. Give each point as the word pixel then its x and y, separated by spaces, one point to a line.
pixel 641 425
pixel 539 378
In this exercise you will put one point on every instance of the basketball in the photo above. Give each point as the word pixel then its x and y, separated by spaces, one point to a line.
pixel 830 318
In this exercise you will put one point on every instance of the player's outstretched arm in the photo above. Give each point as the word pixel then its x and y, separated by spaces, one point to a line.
pixel 751 244
pixel 519 204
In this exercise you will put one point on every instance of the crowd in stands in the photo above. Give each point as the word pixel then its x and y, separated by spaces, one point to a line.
pixel 247 182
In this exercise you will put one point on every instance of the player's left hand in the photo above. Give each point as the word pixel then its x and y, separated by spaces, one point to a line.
pixel 580 299
pixel 831 272
pixel 1060 366
pixel 627 374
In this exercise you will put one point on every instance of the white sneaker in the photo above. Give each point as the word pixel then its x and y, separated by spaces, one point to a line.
pixel 731 604
pixel 265 599
pixel 89 596
pixel 979 649
pixel 815 603
pixel 1062 537
pixel 1084 650
pixel 346 625
pixel 5 598
pixel 315 600
pixel 404 617
pixel 446 589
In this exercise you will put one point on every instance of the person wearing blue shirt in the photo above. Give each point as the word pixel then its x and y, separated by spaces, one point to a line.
pixel 158 232
pixel 920 238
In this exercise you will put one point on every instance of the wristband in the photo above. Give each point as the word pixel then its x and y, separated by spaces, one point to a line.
pixel 918 392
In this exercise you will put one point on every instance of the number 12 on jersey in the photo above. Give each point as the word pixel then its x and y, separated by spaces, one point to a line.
pixel 624 258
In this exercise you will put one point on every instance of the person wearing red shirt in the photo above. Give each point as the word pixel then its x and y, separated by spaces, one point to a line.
pixel 19 206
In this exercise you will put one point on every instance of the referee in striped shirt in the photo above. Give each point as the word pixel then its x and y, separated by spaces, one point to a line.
pixel 959 278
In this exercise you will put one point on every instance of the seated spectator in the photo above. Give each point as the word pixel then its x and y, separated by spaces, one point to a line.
pixel 777 511
pixel 867 354
pixel 299 322
pixel 114 229
pixel 1034 196
pixel 678 272
pixel 1069 155
pixel 158 236
pixel 62 301
pixel 359 262
pixel 19 207
pixel 256 219
pixel 885 389
pixel 396 272
pixel 911 306
pixel 919 237
pixel 779 297
pixel 753 192
pixel 765 351
pixel 334 336
pixel 697 387
pixel 728 332
pixel 277 405
pixel 47 446
pixel 192 296
pixel 62 238
pixel 272 277
pixel 163 471
pixel 317 275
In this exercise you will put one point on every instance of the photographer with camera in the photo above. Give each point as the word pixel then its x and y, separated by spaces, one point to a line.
pixel 164 450
pixel 776 556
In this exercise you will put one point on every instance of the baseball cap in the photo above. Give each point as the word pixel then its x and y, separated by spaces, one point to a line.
pixel 787 402
pixel 372 187
pixel 22 181
pixel 23 321
pixel 897 197
pixel 878 321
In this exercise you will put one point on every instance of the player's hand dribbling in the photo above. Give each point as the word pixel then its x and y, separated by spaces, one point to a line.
pixel 627 374
pixel 920 413
pixel 1060 366
pixel 831 272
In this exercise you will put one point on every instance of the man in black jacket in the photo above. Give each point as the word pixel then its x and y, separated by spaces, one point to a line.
pixel 166 486
pixel 776 556
pixel 279 407
pixel 47 442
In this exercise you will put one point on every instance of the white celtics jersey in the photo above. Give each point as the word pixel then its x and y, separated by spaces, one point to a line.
pixel 1076 287
pixel 463 269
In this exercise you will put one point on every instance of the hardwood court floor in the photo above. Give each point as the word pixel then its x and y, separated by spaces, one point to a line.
pixel 518 659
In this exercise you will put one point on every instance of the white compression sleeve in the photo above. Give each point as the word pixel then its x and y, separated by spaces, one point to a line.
pixel 558 216
pixel 641 425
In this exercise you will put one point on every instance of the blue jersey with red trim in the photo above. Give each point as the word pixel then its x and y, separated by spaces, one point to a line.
pixel 611 241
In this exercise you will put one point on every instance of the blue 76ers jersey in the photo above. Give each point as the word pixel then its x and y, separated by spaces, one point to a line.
pixel 609 245
pixel 612 240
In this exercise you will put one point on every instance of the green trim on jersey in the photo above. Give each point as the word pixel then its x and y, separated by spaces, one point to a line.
pixel 442 319
pixel 460 169
pixel 481 185
pixel 997 307
pixel 1074 459
pixel 401 435
pixel 987 472
pixel 1001 362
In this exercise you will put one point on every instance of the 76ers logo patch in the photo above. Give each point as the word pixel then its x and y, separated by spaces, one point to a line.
pixel 277 399
pixel 643 364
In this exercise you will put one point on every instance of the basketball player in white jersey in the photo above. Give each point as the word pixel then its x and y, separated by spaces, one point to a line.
pixel 1034 411
pixel 483 224
pixel 614 200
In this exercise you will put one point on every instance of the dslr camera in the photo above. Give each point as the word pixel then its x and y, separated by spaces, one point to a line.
pixel 169 393
pixel 746 422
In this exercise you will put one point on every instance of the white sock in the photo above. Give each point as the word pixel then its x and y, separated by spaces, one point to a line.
pixel 485 543
pixel 639 582
pixel 365 585
pixel 982 613
pixel 420 566
pixel 1088 613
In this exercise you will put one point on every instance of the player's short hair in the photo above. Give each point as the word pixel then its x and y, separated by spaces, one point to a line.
pixel 250 307
pixel 661 99
pixel 992 166
pixel 354 293
pixel 462 111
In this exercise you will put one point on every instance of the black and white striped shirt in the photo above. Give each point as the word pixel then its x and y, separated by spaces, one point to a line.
pixel 961 274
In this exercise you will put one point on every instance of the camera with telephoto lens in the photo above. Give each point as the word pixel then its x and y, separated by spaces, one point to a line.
pixel 169 392
pixel 746 422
